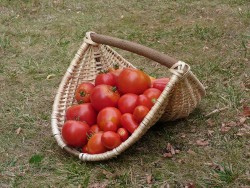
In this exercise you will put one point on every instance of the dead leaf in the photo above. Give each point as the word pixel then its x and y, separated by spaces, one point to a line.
pixel 246 111
pixel 177 151
pixel 149 179
pixel 224 129
pixel 181 161
pixel 99 185
pixel 191 152
pixel 210 122
pixel 167 155
pixel 202 142
pixel 190 185
pixel 18 130
pixel 231 124
pixel 242 120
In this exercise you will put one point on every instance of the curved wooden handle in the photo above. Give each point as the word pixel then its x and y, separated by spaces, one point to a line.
pixel 135 48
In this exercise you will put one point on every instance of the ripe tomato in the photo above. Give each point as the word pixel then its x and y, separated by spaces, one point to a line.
pixel 95 144
pixel 108 119
pixel 133 81
pixel 104 96
pixel 153 94
pixel 105 78
pixel 160 83
pixel 82 94
pixel 82 112
pixel 85 149
pixel 74 133
pixel 140 112
pixel 111 139
pixel 128 122
pixel 124 134
pixel 93 129
pixel 145 101
pixel 127 103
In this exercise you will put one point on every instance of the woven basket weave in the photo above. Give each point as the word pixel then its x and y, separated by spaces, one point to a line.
pixel 180 97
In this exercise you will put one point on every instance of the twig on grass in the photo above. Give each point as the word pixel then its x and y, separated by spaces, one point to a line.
pixel 216 111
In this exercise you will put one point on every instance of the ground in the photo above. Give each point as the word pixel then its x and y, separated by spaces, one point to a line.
pixel 38 39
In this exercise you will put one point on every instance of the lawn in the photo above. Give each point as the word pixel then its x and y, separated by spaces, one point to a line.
pixel 38 39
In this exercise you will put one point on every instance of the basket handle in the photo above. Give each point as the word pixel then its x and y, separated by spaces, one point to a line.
pixel 135 48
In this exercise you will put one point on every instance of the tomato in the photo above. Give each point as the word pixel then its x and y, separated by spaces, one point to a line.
pixel 82 112
pixel 153 94
pixel 128 122
pixel 160 83
pixel 108 119
pixel 140 112
pixel 104 96
pixel 111 139
pixel 133 81
pixel 127 103
pixel 82 94
pixel 85 149
pixel 95 144
pixel 105 78
pixel 145 101
pixel 74 133
pixel 124 134
pixel 93 129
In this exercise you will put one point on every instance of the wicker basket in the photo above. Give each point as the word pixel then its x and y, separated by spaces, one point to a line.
pixel 178 99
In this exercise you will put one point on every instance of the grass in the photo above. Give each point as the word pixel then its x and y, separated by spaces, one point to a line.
pixel 39 38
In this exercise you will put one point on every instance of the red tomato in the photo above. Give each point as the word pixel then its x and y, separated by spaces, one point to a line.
pixel 160 83
pixel 108 119
pixel 124 134
pixel 133 81
pixel 111 139
pixel 145 101
pixel 95 144
pixel 104 96
pixel 105 78
pixel 93 129
pixel 82 94
pixel 153 94
pixel 82 112
pixel 127 103
pixel 85 149
pixel 74 133
pixel 140 112
pixel 128 122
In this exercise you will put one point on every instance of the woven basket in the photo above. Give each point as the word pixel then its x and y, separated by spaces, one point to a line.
pixel 179 98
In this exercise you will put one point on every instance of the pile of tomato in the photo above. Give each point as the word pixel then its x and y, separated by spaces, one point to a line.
pixel 111 109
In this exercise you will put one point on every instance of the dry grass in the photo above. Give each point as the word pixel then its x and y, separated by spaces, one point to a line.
pixel 39 38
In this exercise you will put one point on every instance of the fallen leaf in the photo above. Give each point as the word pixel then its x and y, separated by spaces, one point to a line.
pixel 50 76
pixel 231 124
pixel 246 111
pixel 167 155
pixel 210 122
pixel 183 135
pixel 242 120
pixel 177 151
pixel 149 179
pixel 224 129
pixel 99 185
pixel 191 152
pixel 202 142
pixel 190 185
pixel 18 130
pixel 181 161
